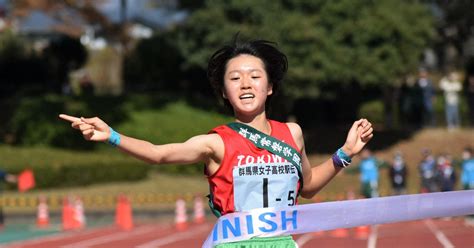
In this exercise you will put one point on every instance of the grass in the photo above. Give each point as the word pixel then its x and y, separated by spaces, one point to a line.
pixel 31 156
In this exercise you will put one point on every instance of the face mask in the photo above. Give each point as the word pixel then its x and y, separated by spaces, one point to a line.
pixel 466 155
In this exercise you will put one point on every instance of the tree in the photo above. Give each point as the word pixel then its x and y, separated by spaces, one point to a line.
pixel 63 54
pixel 455 24
pixel 20 67
pixel 153 65
pixel 328 43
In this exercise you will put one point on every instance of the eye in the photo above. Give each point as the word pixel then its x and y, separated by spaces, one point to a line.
pixel 255 77
pixel 234 78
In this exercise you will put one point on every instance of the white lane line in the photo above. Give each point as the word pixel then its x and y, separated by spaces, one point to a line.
pixel 374 232
pixel 179 236
pixel 439 234
pixel 112 237
pixel 304 239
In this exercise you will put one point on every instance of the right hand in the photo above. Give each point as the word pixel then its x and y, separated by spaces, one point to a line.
pixel 359 134
pixel 93 129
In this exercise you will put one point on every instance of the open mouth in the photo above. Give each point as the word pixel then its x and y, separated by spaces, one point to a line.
pixel 247 96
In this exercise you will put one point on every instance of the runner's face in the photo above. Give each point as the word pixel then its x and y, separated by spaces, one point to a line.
pixel 246 84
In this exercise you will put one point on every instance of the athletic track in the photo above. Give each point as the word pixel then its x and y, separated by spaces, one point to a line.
pixel 424 233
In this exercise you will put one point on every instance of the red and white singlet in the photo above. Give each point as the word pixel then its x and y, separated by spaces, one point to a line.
pixel 250 177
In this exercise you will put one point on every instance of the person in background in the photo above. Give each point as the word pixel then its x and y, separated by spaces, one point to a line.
pixel 427 170
pixel 469 91
pixel 467 169
pixel 398 174
pixel 467 177
pixel 445 173
pixel 369 174
pixel 451 87
pixel 9 178
pixel 428 94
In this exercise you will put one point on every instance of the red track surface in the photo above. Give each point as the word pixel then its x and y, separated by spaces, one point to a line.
pixel 424 233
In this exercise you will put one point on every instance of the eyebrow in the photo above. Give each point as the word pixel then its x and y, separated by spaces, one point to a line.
pixel 251 70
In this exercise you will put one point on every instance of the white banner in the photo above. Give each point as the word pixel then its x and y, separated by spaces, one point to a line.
pixel 269 222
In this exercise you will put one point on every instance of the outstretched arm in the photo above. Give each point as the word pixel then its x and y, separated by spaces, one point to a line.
pixel 199 148
pixel 317 177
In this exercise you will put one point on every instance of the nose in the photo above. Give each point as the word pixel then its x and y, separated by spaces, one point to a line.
pixel 245 83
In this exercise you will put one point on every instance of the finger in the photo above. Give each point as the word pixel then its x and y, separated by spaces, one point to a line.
pixel 357 123
pixel 88 132
pixel 77 124
pixel 69 118
pixel 92 121
pixel 367 132
pixel 84 126
pixel 366 139
pixel 88 136
pixel 365 123
pixel 367 126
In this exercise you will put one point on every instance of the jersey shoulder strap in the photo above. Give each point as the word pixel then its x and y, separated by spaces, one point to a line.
pixel 271 144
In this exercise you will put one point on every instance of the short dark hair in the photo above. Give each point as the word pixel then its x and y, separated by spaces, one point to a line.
pixel 468 149
pixel 275 63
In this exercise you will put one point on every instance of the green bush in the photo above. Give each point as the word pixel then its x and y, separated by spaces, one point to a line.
pixel 35 121
pixel 175 122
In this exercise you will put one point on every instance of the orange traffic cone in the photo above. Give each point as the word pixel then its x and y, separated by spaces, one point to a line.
pixel 181 218
pixel 67 215
pixel 79 219
pixel 123 213
pixel 362 232
pixel 340 233
pixel 199 214
pixel 318 233
pixel 42 216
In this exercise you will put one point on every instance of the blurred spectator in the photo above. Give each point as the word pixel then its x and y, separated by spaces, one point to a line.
pixel 404 102
pixel 469 89
pixel 87 87
pixel 467 177
pixel 369 174
pixel 9 178
pixel 445 173
pixel 451 87
pixel 410 103
pixel 66 89
pixel 428 94
pixel 467 166
pixel 398 174
pixel 427 169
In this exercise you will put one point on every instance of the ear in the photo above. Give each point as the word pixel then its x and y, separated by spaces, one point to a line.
pixel 270 89
pixel 224 95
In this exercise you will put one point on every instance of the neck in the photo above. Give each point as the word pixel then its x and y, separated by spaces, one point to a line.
pixel 258 122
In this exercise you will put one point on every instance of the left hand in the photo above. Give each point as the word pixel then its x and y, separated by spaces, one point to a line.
pixel 359 134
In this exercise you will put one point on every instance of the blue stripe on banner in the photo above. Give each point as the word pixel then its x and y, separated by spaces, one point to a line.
pixel 269 222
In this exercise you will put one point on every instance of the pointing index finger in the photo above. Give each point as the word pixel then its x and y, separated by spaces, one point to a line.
pixel 69 118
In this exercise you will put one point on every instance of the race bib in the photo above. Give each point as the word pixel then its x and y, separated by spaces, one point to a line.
pixel 265 185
